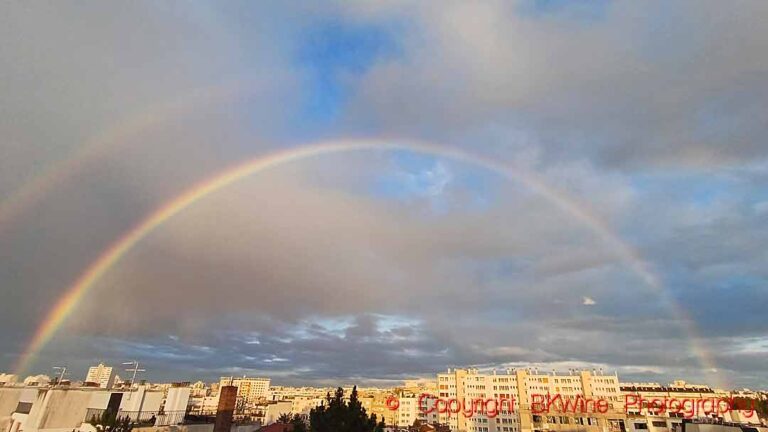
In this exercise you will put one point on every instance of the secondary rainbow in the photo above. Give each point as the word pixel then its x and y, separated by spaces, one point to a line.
pixel 30 193
pixel 67 304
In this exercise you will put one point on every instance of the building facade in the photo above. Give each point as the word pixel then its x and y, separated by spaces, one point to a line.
pixel 527 400
pixel 250 390
pixel 101 375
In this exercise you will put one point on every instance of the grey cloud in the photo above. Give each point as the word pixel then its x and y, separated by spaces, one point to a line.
pixel 647 83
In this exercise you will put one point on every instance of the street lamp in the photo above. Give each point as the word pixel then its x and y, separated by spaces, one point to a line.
pixel 63 370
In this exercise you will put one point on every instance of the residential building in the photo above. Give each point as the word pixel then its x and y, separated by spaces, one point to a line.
pixel 250 390
pixel 516 400
pixel 102 375
pixel 8 379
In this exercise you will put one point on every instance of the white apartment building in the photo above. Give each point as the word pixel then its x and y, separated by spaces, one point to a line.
pixel 101 375
pixel 273 411
pixel 465 385
pixel 515 392
pixel 412 407
pixel 302 405
pixel 656 408
pixel 249 389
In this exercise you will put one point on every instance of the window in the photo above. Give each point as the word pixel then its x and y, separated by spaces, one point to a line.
pixel 24 407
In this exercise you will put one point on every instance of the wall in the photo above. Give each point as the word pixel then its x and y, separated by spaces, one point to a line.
pixel 58 409
pixel 9 400
pixel 177 399
pixel 141 400
pixel 275 409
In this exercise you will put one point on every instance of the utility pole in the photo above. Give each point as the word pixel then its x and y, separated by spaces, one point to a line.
pixel 135 369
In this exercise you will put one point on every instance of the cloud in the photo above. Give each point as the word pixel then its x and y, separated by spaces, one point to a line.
pixel 384 265
pixel 630 88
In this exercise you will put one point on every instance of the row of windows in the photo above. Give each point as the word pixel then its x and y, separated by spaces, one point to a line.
pixel 607 389
pixel 583 421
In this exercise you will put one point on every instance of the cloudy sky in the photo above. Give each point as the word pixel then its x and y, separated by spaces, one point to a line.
pixel 375 266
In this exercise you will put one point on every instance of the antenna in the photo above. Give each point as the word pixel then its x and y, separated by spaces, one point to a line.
pixel 63 370
pixel 135 369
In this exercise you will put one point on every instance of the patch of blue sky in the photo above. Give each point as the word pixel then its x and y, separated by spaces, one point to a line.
pixel 334 51
pixel 386 323
pixel 415 176
pixel 695 189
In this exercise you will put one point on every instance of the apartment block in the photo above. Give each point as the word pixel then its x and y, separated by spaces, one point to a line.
pixel 101 375
pixel 250 390
pixel 527 400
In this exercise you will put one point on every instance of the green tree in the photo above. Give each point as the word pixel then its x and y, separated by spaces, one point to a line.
pixel 759 406
pixel 298 424
pixel 338 415
pixel 108 420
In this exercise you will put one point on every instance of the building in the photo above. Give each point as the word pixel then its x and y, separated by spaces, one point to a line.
pixel 526 400
pixel 411 407
pixel 102 375
pixel 250 390
pixel 57 409
pixel 654 407
pixel 8 379
pixel 273 411
pixel 177 398
pixel 302 405
pixel 37 380
pixel 226 408
pixel 715 426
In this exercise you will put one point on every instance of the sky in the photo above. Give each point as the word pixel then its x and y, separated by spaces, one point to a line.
pixel 380 265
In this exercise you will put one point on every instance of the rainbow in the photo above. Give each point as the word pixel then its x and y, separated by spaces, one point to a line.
pixel 65 306
pixel 33 191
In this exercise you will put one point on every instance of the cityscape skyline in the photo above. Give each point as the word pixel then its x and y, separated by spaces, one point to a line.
pixel 522 399
pixel 105 375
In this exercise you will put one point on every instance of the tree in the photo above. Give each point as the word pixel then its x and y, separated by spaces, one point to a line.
pixel 108 420
pixel 298 424
pixel 338 415
pixel 441 427
pixel 760 407
pixel 284 418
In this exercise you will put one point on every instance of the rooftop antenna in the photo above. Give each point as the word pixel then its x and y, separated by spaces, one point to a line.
pixel 135 369
pixel 63 371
